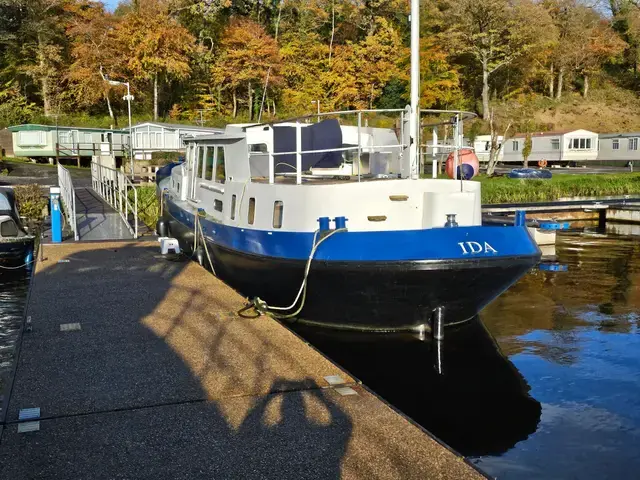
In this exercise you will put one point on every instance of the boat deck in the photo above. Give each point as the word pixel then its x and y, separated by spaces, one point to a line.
pixel 142 368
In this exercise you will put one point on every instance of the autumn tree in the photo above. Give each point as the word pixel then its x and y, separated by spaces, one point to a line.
pixel 245 56
pixel 94 53
pixel 156 47
pixel 495 33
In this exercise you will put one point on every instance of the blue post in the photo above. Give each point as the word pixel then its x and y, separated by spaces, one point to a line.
pixel 341 222
pixel 520 219
pixel 324 223
pixel 56 214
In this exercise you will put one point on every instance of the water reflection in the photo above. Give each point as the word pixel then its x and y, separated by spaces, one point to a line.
pixel 13 295
pixel 465 392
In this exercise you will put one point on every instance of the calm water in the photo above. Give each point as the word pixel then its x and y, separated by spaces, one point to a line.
pixel 13 296
pixel 545 385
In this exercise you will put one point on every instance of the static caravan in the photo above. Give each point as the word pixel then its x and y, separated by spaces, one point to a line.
pixel 50 141
pixel 554 147
pixel 482 147
pixel 619 148
pixel 149 137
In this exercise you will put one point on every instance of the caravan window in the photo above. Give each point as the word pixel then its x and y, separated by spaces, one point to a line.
pixel 615 144
pixel 633 144
pixel 515 146
pixel 30 138
pixel 555 144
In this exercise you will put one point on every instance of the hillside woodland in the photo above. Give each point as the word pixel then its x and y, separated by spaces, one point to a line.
pixel 528 64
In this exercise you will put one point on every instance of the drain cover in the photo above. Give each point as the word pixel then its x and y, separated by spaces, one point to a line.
pixel 29 413
pixel 345 391
pixel 27 427
pixel 334 380
pixel 69 327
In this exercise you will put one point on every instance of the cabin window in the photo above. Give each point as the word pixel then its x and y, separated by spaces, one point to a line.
pixel 199 162
pixel 217 205
pixel 515 146
pixel 258 148
pixel 251 216
pixel 555 144
pixel 8 228
pixel 208 163
pixel 221 172
pixel 633 144
pixel 615 144
pixel 233 207
pixel 278 210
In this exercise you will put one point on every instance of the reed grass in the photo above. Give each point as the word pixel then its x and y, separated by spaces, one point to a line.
pixel 509 190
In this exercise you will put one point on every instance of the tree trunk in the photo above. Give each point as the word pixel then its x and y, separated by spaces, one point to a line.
pixel 585 90
pixel 111 114
pixel 155 97
pixel 333 28
pixel 44 80
pixel 551 80
pixel 485 90
pixel 250 91
pixel 235 103
pixel 560 82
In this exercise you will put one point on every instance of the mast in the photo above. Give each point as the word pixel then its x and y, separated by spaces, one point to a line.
pixel 414 120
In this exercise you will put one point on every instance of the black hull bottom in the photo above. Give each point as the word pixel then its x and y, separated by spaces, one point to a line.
pixel 385 296
pixel 14 254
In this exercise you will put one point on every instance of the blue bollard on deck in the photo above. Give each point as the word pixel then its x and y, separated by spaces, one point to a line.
pixel 520 219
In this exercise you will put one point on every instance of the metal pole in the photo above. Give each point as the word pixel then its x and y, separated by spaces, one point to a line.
pixel 437 323
pixel 434 149
pixel 359 141
pixel 298 153
pixel 415 87
pixel 318 101
pixel 130 131
pixel 455 148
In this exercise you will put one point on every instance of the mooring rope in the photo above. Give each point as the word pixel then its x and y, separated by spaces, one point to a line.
pixel 263 307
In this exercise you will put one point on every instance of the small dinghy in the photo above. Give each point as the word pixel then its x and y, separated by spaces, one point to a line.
pixel 16 245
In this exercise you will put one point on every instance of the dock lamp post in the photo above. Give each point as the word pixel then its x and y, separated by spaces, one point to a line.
pixel 128 97
pixel 317 102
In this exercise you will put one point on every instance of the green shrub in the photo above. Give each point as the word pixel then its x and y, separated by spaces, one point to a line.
pixel 30 201
pixel 148 206
pixel 163 158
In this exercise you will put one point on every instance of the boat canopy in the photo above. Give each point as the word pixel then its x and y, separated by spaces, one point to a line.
pixel 317 139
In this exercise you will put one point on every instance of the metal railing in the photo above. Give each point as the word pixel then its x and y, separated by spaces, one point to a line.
pixel 68 195
pixel 114 187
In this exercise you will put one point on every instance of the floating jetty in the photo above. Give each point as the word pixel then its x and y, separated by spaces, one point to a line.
pixel 137 365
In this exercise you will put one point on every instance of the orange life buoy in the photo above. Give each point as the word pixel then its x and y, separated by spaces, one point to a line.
pixel 542 163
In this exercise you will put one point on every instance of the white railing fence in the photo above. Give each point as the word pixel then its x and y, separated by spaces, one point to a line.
pixel 117 189
pixel 68 198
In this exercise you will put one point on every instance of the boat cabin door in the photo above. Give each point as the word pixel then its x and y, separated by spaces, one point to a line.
pixel 209 174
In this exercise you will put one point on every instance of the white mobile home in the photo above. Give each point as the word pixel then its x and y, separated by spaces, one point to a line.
pixel 482 147
pixel 50 141
pixel 619 148
pixel 554 147
pixel 149 137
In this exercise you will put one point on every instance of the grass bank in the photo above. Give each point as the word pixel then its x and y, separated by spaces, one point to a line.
pixel 148 206
pixel 509 190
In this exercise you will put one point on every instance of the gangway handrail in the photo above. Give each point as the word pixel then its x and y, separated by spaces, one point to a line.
pixel 113 186
pixel 68 195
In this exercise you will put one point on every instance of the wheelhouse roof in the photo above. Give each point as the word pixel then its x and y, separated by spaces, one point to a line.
pixel 47 128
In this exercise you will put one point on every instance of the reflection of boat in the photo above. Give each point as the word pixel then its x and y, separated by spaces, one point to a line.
pixel 463 390
pixel 16 246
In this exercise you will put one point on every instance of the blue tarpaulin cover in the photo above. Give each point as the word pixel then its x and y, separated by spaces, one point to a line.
pixel 319 136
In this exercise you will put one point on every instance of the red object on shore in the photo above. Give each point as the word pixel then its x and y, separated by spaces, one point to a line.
pixel 466 156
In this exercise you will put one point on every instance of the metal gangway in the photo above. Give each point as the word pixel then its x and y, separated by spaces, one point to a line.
pixel 118 191
pixel 68 194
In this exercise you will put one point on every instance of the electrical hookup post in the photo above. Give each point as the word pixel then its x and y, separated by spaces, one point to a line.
pixel 56 214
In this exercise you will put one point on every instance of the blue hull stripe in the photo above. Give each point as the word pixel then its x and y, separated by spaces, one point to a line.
pixel 458 243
